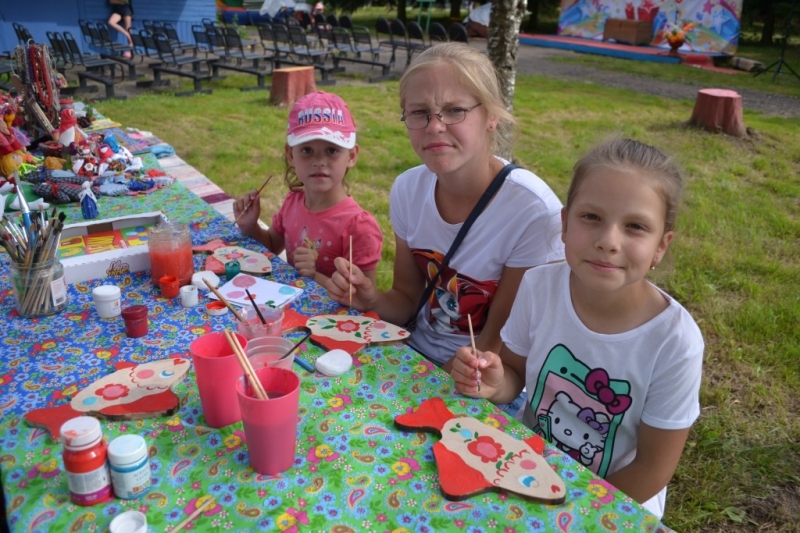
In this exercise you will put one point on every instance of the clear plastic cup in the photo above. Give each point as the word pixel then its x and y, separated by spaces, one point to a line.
pixel 254 328
pixel 268 351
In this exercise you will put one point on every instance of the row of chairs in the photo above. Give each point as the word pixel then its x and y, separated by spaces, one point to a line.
pixel 410 38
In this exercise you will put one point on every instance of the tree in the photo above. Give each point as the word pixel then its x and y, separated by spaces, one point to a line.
pixel 503 45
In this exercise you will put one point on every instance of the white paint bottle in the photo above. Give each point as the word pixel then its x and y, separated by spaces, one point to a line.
pixel 107 301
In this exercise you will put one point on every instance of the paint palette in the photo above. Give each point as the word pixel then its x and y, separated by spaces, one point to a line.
pixel 264 292
pixel 249 261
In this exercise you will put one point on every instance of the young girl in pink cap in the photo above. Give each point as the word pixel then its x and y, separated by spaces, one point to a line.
pixel 318 218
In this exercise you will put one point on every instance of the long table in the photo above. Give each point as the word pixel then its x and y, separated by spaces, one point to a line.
pixel 353 471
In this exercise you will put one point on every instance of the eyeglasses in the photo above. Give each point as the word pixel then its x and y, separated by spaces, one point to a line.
pixel 418 120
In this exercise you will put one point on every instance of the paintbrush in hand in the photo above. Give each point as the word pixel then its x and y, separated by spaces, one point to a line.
pixel 250 203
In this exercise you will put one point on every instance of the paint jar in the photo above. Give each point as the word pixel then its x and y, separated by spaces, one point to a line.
pixel 130 467
pixel 39 289
pixel 189 297
pixel 135 318
pixel 107 300
pixel 84 456
pixel 170 249
pixel 232 269
pixel 253 328
pixel 169 286
pixel 129 522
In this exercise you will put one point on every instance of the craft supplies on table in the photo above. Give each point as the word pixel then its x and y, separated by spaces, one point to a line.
pixel 135 318
pixel 129 522
pixel 84 456
pixel 189 297
pixel 254 327
pixel 108 247
pixel 263 291
pixel 107 301
pixel 270 351
pixel 170 249
pixel 39 289
pixel 170 286
pixel 129 465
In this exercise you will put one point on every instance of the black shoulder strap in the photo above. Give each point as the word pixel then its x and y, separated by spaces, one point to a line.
pixel 474 214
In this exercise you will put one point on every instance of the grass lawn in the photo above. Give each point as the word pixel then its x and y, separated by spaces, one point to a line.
pixel 734 263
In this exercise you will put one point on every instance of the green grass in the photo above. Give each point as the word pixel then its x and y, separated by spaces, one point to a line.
pixel 735 263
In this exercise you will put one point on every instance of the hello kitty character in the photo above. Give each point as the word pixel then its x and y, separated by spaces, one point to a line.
pixel 578 431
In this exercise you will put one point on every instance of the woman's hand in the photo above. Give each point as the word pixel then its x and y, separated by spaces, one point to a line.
pixel 305 261
pixel 246 211
pixel 342 285
pixel 477 375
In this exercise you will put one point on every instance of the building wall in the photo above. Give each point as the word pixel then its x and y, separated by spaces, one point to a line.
pixel 40 16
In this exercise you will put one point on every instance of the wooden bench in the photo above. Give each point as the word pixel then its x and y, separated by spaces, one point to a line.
pixel 260 75
pixel 385 67
pixel 633 32
pixel 99 78
pixel 172 64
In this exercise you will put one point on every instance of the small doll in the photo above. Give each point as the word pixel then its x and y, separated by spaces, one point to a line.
pixel 88 201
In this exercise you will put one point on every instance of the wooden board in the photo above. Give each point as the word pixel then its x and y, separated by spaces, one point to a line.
pixel 345 332
pixel 131 393
pixel 473 457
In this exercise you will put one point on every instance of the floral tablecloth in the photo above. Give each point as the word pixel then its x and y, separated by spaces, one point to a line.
pixel 353 471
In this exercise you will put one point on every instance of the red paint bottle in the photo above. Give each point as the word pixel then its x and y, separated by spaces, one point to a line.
pixel 88 477
pixel 135 318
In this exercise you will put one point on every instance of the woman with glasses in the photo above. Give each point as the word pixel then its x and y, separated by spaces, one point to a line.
pixel 453 110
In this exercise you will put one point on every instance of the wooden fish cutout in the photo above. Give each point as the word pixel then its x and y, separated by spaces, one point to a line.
pixel 345 332
pixel 131 393
pixel 473 457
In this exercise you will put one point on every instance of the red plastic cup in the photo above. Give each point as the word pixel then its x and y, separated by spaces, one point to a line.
pixel 216 370
pixel 170 286
pixel 135 318
pixel 270 426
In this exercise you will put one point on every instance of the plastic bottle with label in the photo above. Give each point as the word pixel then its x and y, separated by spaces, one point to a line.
pixel 130 467
pixel 84 454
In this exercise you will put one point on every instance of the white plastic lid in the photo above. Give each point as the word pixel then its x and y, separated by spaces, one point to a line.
pixel 129 522
pixel 81 433
pixel 126 449
pixel 106 293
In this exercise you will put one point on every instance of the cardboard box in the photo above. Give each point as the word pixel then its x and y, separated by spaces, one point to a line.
pixel 635 32
pixel 124 251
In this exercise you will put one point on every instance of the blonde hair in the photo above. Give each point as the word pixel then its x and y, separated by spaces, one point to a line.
pixel 627 154
pixel 9 163
pixel 473 70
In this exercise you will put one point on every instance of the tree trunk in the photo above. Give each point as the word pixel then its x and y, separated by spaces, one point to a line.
pixel 455 10
pixel 401 10
pixel 533 19
pixel 769 23
pixel 502 45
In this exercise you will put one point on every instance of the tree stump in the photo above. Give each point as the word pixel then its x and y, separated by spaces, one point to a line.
pixel 719 110
pixel 290 84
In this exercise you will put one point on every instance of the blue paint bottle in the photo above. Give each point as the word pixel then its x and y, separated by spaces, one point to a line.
pixel 130 466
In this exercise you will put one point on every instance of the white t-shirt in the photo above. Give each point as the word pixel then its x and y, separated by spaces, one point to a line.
pixel 520 228
pixel 588 392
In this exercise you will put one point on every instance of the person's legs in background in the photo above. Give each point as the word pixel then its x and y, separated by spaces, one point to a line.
pixel 114 20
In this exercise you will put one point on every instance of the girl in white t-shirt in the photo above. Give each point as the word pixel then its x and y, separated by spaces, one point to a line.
pixel 318 220
pixel 611 363
pixel 453 110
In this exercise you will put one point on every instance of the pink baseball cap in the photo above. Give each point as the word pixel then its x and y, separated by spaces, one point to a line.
pixel 321 115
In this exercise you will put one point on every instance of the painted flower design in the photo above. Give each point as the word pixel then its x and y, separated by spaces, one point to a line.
pixel 348 326
pixel 487 449
pixel 287 522
pixel 47 469
pixel 602 490
pixel 234 441
pixel 405 467
pixel 339 402
pixel 106 353
pixel 323 452
pixel 113 391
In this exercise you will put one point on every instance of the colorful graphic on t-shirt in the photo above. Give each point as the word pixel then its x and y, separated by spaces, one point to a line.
pixel 455 296
pixel 579 409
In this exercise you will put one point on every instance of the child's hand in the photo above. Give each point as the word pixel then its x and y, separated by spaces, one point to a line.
pixel 246 211
pixel 305 261
pixel 469 370
pixel 342 285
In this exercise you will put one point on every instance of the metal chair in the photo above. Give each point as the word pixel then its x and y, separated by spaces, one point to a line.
pixel 332 20
pixel 458 33
pixel 437 33
pixel 346 22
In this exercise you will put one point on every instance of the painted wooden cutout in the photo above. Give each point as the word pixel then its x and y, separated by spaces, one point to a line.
pixel 131 393
pixel 473 457
pixel 249 261
pixel 345 332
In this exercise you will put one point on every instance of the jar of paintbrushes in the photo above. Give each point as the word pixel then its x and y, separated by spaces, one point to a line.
pixel 37 276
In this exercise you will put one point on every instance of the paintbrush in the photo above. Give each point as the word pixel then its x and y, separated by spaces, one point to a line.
pixel 247 207
pixel 255 306
pixel 474 350
pixel 349 279
pixel 296 346
pixel 222 299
